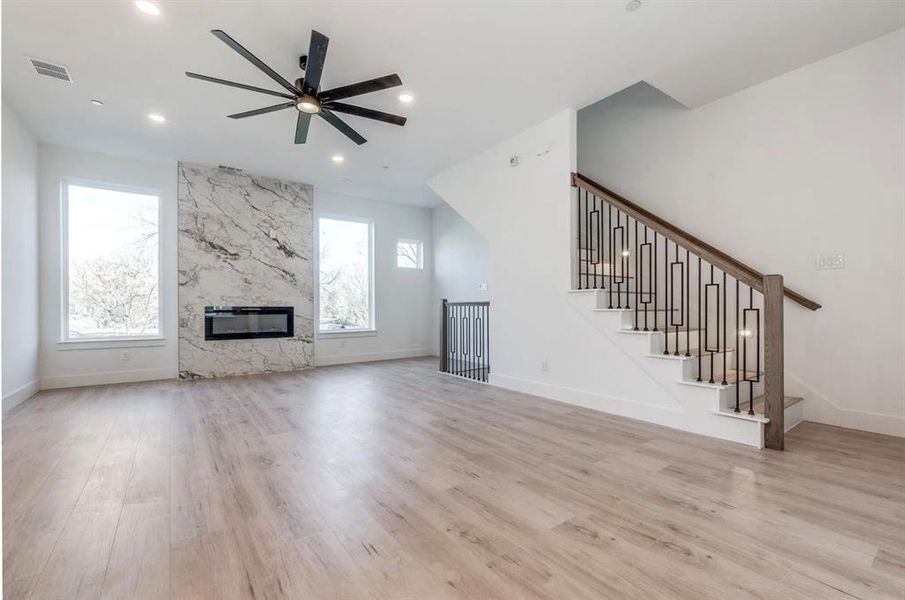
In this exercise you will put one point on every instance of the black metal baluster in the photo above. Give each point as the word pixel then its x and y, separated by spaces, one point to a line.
pixel 707 337
pixel 469 324
pixel 656 283
pixel 578 234
pixel 626 274
pixel 669 294
pixel 646 244
pixel 476 333
pixel 678 322
pixel 757 363
pixel 725 291
pixel 700 325
pixel 738 384
pixel 687 304
pixel 609 235
pixel 598 274
pixel 587 240
pixel 454 339
pixel 637 277
pixel 621 248
pixel 487 335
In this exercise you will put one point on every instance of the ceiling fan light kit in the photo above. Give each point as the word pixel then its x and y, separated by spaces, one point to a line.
pixel 305 95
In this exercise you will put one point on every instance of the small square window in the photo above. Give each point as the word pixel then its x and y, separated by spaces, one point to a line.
pixel 409 254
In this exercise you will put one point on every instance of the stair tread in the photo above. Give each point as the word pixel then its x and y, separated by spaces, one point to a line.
pixel 788 402
pixel 693 352
pixel 733 376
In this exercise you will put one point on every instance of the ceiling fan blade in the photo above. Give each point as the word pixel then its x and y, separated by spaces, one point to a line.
pixel 314 68
pixel 261 111
pixel 350 133
pixel 367 113
pixel 362 87
pixel 238 85
pixel 224 37
pixel 301 127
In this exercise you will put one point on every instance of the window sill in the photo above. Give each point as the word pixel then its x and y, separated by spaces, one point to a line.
pixel 101 343
pixel 346 333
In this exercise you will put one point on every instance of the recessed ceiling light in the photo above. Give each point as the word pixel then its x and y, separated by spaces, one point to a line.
pixel 406 97
pixel 337 158
pixel 97 102
pixel 149 8
pixel 633 5
pixel 157 118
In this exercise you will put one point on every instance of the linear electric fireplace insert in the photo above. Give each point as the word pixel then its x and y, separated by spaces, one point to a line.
pixel 247 322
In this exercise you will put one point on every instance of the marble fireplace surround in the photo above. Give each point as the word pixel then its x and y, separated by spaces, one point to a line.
pixel 243 241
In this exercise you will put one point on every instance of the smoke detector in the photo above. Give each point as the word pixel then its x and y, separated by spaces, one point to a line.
pixel 49 69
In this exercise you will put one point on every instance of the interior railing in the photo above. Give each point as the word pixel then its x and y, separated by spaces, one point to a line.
pixel 465 339
pixel 710 307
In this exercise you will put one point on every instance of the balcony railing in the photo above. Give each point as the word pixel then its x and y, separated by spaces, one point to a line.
pixel 465 339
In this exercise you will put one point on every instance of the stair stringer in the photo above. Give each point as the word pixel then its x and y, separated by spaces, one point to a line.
pixel 700 404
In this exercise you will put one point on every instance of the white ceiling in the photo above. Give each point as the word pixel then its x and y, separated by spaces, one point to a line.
pixel 481 71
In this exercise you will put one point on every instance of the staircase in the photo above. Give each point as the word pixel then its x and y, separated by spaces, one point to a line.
pixel 705 326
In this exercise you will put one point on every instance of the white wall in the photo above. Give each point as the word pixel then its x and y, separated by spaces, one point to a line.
pixel 20 260
pixel 524 213
pixel 402 296
pixel 87 364
pixel 461 256
pixel 807 163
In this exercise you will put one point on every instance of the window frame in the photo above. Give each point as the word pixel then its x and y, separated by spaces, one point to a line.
pixel 372 304
pixel 106 341
pixel 419 244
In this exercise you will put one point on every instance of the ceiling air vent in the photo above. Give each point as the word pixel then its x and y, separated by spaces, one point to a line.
pixel 50 69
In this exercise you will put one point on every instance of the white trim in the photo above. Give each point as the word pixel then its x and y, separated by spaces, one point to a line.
pixel 20 395
pixel 742 431
pixel 372 285
pixel 116 342
pixel 81 380
pixel 342 359
pixel 65 182
pixel 820 409
pixel 344 333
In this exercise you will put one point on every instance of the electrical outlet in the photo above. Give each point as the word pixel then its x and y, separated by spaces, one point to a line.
pixel 126 356
pixel 826 262
pixel 482 287
pixel 544 365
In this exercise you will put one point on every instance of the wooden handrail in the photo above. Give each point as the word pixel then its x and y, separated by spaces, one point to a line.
pixel 717 258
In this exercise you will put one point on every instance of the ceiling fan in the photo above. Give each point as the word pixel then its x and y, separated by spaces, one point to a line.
pixel 306 96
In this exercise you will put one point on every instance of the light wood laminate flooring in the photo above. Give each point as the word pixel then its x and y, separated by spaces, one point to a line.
pixel 391 481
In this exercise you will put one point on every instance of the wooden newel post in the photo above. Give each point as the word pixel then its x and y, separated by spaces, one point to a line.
pixel 774 392
pixel 444 336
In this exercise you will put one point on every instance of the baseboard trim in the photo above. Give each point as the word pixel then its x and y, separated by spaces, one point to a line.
pixel 20 395
pixel 344 359
pixel 820 409
pixel 652 413
pixel 85 379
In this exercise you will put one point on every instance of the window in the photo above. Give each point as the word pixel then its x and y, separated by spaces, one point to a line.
pixel 346 298
pixel 110 263
pixel 409 254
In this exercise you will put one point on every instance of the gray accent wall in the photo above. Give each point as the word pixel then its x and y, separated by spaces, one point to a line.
pixel 243 241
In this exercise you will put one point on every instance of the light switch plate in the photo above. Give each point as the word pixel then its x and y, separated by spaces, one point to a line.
pixel 482 287
pixel 827 262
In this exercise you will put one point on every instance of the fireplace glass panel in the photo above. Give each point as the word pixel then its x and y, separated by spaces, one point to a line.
pixel 246 322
